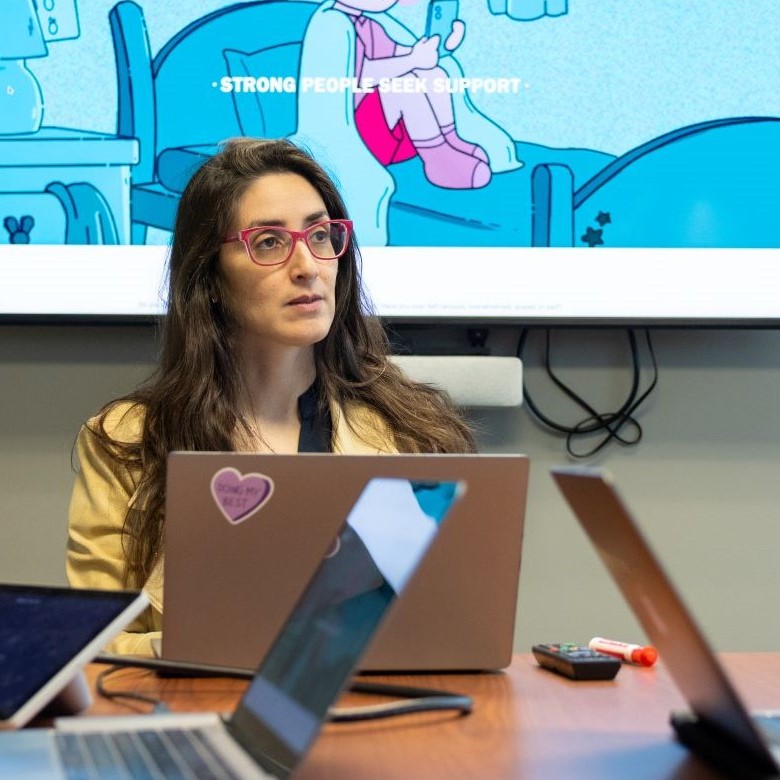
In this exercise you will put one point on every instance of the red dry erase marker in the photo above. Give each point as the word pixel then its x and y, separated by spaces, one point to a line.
pixel 645 655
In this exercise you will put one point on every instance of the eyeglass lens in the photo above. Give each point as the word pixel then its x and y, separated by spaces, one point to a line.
pixel 326 241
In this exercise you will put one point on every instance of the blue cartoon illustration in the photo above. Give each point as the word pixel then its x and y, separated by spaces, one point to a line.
pixel 57 185
pixel 479 123
pixel 393 115
pixel 397 124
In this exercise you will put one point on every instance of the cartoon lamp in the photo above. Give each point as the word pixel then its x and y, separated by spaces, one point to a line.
pixel 21 99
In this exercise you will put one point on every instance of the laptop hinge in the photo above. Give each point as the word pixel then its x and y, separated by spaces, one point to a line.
pixel 257 745
pixel 731 757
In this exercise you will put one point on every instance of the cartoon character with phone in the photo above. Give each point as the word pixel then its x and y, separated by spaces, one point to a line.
pixel 398 124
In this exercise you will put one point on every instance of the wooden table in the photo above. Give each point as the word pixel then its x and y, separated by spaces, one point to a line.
pixel 527 723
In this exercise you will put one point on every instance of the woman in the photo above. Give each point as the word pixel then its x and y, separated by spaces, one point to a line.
pixel 265 348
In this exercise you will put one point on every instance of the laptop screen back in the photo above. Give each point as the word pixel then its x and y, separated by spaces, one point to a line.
pixel 655 601
pixel 369 563
pixel 230 583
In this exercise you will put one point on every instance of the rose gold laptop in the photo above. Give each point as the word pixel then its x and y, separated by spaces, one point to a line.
pixel 243 531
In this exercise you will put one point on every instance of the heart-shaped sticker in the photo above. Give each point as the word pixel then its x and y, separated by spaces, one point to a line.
pixel 239 496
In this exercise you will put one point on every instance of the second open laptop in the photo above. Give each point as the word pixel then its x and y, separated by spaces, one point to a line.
pixel 718 726
pixel 236 559
pixel 360 572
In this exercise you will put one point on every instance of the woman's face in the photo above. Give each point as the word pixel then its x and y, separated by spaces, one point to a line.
pixel 291 304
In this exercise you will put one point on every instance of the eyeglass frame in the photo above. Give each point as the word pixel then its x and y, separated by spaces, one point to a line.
pixel 295 235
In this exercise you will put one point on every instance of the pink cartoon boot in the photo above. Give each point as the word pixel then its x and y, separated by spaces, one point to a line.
pixel 450 168
pixel 456 142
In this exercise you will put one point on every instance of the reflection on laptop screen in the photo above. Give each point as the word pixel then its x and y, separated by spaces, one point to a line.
pixel 384 538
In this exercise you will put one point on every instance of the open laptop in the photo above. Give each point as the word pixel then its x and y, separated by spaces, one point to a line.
pixel 236 556
pixel 47 635
pixel 718 726
pixel 361 571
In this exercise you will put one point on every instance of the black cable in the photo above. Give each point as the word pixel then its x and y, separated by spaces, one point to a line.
pixel 612 424
pixel 413 699
pixel 174 668
pixel 100 687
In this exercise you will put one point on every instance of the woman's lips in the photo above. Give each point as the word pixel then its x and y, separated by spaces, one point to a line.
pixel 306 301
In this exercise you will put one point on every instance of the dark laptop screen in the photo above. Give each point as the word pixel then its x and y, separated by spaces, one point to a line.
pixel 42 629
pixel 384 538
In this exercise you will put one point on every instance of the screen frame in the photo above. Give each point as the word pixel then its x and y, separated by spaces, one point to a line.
pixel 562 290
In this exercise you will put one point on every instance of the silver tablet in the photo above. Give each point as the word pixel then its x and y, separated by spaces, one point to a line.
pixel 47 634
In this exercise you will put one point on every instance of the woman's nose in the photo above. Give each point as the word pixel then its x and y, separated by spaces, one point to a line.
pixel 302 262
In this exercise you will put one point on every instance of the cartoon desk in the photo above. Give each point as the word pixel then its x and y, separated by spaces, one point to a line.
pixel 72 185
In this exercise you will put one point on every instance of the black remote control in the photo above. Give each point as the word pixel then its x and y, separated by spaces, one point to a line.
pixel 576 661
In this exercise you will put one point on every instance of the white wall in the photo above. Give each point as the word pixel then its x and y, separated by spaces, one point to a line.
pixel 704 481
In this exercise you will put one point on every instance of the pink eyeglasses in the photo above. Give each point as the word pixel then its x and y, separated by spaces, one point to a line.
pixel 273 245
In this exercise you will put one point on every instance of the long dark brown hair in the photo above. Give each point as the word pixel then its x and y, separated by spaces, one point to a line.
pixel 192 400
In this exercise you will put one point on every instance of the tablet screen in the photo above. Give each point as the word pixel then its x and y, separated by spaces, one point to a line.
pixel 43 630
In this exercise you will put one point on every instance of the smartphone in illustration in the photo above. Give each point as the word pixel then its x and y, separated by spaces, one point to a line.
pixel 441 15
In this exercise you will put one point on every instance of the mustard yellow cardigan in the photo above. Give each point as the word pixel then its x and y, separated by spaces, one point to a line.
pixel 104 491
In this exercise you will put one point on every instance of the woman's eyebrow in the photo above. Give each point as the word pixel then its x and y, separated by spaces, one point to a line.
pixel 317 216
pixel 310 219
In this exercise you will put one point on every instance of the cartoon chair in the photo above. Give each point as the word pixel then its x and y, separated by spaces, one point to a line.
pixel 172 102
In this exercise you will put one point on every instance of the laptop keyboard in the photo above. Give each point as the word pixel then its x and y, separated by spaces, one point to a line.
pixel 170 754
